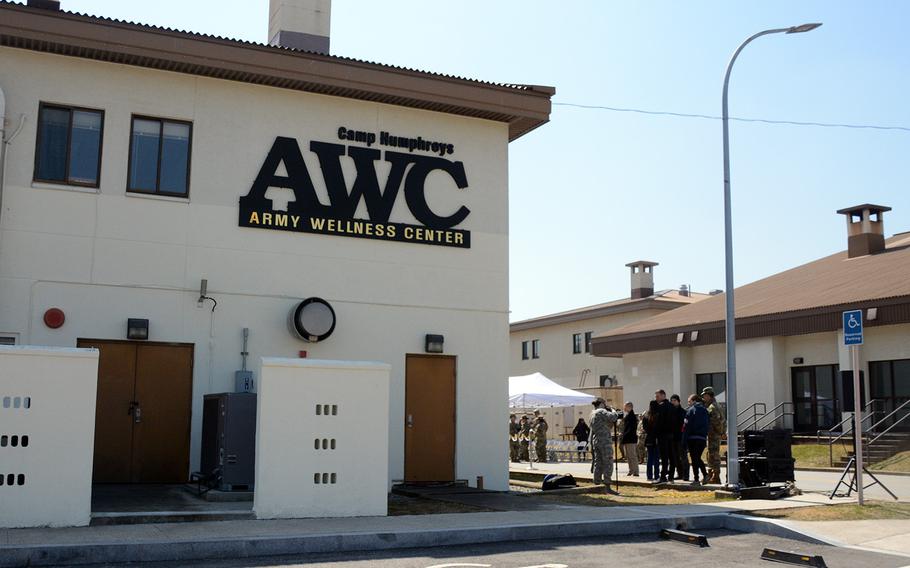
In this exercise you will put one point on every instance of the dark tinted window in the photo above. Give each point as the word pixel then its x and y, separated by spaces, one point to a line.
pixel 69 145
pixel 160 156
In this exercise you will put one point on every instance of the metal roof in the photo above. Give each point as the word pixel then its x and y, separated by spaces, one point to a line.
pixel 523 107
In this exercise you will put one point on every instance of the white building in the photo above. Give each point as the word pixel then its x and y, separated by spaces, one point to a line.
pixel 559 345
pixel 142 162
pixel 789 335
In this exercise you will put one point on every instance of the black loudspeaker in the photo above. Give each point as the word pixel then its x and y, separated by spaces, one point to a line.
pixel 772 444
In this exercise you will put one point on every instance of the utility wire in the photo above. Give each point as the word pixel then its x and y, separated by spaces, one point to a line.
pixel 739 119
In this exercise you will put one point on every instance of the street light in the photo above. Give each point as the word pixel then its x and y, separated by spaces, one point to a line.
pixel 730 325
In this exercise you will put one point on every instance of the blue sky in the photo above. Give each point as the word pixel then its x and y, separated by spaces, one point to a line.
pixel 593 190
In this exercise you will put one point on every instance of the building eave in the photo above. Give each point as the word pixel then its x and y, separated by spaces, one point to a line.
pixel 890 311
pixel 522 107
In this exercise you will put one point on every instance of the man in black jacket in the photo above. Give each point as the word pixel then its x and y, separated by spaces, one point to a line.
pixel 681 465
pixel 629 439
pixel 664 426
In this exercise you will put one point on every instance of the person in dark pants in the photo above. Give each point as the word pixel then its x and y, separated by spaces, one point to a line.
pixel 629 441
pixel 649 419
pixel 695 436
pixel 581 433
pixel 665 444
pixel 681 465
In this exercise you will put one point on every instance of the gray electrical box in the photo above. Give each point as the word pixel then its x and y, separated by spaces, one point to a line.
pixel 229 440
pixel 243 381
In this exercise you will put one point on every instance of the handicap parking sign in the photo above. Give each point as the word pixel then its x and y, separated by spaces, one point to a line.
pixel 853 327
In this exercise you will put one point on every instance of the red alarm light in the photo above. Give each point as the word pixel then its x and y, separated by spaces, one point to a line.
pixel 54 318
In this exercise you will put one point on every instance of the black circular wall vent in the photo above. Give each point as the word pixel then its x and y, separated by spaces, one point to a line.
pixel 313 320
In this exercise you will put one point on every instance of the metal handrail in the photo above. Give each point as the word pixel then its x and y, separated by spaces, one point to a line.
pixel 774 415
pixel 756 414
pixel 849 420
pixel 888 429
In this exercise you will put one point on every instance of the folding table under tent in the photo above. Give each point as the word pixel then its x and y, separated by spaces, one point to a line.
pixel 537 391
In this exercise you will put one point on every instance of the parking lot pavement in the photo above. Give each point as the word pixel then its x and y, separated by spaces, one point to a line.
pixel 727 549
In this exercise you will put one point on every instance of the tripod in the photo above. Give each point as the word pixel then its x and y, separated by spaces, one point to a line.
pixel 850 469
pixel 851 486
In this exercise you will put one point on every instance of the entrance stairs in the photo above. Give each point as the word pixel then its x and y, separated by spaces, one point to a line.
pixel 885 447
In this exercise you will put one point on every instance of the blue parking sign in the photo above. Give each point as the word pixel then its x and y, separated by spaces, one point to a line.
pixel 853 327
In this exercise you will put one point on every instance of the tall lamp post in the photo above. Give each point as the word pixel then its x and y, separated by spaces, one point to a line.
pixel 732 426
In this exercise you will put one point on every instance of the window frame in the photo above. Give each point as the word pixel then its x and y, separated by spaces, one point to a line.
pixel 589 336
pixel 129 158
pixel 577 346
pixel 535 349
pixel 525 351
pixel 38 139
pixel 711 376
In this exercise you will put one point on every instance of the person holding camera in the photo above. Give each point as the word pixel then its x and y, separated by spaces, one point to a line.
pixel 603 419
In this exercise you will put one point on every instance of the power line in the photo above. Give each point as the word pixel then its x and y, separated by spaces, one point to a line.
pixel 738 119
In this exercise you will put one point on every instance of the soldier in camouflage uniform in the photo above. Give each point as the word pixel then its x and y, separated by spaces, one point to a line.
pixel 717 427
pixel 514 431
pixel 642 436
pixel 540 438
pixel 524 438
pixel 601 444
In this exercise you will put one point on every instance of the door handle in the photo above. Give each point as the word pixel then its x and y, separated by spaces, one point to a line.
pixel 410 421
pixel 135 411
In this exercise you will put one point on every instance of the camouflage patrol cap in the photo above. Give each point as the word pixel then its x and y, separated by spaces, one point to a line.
pixel 707 390
pixel 598 401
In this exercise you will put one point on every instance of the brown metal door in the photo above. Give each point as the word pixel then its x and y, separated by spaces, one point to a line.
pixel 113 422
pixel 142 419
pixel 429 434
pixel 164 390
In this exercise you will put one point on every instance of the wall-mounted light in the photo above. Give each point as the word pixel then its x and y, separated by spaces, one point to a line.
pixel 433 343
pixel 871 314
pixel 797 360
pixel 312 320
pixel 680 337
pixel 693 336
pixel 137 328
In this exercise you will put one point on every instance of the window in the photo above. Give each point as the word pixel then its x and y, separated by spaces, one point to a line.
pixel 7 339
pixel 576 343
pixel 160 156
pixel 588 336
pixel 524 350
pixel 717 381
pixel 68 145
pixel 535 349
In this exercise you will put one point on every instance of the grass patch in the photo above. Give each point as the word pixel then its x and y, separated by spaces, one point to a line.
pixel 872 510
pixel 400 505
pixel 816 455
pixel 898 462
pixel 630 495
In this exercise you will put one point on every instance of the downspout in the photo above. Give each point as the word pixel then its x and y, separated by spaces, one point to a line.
pixel 2 147
pixel 4 142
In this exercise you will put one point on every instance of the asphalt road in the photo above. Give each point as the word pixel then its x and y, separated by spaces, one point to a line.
pixel 727 549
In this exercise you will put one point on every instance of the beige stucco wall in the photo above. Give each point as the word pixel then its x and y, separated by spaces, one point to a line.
pixel 556 358
pixel 106 255
pixel 763 365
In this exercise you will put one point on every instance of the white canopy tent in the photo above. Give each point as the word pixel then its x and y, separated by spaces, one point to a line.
pixel 537 391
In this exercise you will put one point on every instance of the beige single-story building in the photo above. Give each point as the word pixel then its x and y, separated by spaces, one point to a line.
pixel 789 337
pixel 559 345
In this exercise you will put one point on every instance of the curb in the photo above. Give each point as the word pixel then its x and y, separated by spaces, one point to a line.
pixel 254 547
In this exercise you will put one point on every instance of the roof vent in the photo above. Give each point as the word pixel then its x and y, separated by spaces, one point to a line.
pixel 642 278
pixel 715 292
pixel 684 290
pixel 300 24
pixel 45 4
pixel 865 229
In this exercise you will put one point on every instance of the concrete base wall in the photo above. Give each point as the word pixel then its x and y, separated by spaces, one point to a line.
pixel 322 442
pixel 47 435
